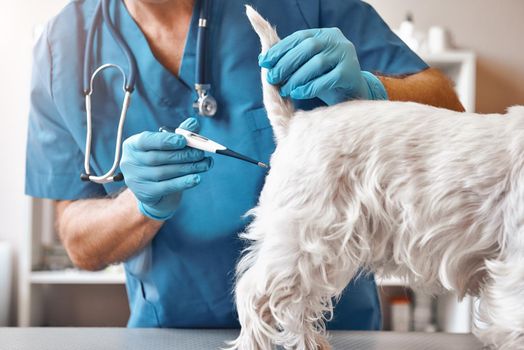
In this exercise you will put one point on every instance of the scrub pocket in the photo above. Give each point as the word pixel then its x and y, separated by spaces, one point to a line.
pixel 258 119
pixel 262 133
pixel 143 313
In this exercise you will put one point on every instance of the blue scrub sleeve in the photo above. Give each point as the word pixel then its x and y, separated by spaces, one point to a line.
pixel 54 160
pixel 379 50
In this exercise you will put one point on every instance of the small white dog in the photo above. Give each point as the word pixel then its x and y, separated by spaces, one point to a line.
pixel 403 189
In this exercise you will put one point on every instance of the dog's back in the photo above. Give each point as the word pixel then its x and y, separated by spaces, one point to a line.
pixel 402 158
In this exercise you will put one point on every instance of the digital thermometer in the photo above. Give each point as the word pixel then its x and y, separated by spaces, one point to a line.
pixel 202 143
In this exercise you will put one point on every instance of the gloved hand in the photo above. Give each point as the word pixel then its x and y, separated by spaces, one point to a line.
pixel 158 167
pixel 319 63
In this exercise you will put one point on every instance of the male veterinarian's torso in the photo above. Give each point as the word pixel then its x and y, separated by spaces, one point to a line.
pixel 184 277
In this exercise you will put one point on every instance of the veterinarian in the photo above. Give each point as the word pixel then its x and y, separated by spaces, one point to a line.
pixel 175 219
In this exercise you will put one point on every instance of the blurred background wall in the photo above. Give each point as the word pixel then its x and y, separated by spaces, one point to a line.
pixel 17 22
pixel 72 305
pixel 493 29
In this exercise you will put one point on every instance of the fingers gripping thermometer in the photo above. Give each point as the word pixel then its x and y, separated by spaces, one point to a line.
pixel 204 144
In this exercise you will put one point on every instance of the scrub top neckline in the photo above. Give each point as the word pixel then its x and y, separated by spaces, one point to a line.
pixel 151 72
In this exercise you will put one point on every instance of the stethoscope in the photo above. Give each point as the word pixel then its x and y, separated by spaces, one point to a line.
pixel 205 105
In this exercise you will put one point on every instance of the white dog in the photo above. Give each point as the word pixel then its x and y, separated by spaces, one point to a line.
pixel 403 189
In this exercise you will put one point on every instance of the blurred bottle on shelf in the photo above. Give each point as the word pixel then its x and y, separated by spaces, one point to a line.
pixel 423 313
pixel 400 314
pixel 438 40
pixel 409 34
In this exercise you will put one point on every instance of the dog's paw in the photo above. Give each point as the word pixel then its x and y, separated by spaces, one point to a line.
pixel 323 344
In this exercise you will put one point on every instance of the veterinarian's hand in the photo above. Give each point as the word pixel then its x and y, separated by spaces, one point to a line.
pixel 319 63
pixel 157 167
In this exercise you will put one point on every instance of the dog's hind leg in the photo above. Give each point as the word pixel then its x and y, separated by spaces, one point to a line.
pixel 283 290
pixel 256 284
pixel 306 285
pixel 501 308
pixel 275 299
pixel 257 328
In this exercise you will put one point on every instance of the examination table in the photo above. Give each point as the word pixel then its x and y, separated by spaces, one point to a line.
pixel 179 339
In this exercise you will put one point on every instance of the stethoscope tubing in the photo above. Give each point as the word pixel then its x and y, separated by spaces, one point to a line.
pixel 102 14
pixel 201 58
pixel 88 60
pixel 109 176
pixel 131 60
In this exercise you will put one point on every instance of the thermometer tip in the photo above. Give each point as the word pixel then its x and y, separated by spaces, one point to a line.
pixel 263 165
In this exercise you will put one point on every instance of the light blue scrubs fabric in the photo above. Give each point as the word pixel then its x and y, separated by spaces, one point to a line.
pixel 184 277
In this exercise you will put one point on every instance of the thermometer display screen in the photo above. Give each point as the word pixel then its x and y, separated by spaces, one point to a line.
pixel 196 136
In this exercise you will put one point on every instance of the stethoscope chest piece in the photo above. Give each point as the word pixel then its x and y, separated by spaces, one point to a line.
pixel 205 105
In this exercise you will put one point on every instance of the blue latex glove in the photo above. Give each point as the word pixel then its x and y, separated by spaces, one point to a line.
pixel 320 63
pixel 158 167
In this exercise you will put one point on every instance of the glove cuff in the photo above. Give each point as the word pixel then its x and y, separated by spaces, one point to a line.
pixel 376 89
pixel 152 213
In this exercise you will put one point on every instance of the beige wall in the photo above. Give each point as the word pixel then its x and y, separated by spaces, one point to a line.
pixel 494 29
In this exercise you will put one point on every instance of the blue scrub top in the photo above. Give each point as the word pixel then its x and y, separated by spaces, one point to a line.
pixel 184 277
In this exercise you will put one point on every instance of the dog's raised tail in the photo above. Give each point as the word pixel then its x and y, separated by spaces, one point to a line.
pixel 279 110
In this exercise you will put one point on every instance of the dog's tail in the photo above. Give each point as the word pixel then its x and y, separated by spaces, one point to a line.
pixel 279 110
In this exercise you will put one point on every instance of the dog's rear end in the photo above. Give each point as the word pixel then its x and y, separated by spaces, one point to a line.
pixel 398 188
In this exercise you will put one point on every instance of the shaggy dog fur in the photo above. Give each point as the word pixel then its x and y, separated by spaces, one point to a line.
pixel 431 195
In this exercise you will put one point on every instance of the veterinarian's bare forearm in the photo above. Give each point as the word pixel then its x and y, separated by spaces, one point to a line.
pixel 99 232
pixel 429 87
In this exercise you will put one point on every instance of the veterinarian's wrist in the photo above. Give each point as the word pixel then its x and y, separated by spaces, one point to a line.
pixel 154 214
pixel 376 89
